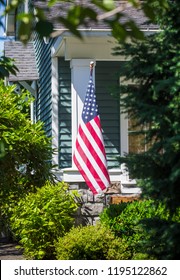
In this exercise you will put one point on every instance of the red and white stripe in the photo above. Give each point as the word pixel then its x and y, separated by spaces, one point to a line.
pixel 90 157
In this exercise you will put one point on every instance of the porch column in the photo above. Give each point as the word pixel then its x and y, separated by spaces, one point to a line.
pixel 80 73
pixel 124 134
pixel 55 111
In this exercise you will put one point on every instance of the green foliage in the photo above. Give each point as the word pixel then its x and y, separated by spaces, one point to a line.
pixel 77 15
pixel 146 227
pixel 90 243
pixel 40 218
pixel 7 67
pixel 25 27
pixel 151 96
pixel 25 151
pixel 162 238
pixel 124 217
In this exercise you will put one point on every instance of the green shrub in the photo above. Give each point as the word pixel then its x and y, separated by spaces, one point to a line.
pixel 147 228
pixel 25 151
pixel 41 217
pixel 90 243
pixel 123 218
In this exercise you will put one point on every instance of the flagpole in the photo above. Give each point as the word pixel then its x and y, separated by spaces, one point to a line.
pixel 91 67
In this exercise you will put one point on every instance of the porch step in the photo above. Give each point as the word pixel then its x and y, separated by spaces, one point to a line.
pixel 130 187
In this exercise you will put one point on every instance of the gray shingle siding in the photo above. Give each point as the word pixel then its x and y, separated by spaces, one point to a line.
pixel 24 57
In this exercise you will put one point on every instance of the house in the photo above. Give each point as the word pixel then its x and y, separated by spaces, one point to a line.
pixel 58 78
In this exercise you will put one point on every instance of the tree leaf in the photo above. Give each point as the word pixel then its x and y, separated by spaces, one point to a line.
pixel 44 28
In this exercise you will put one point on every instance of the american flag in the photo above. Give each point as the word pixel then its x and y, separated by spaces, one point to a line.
pixel 89 155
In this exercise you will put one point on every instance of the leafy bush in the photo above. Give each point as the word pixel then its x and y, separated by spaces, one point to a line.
pixel 25 150
pixel 40 218
pixel 90 243
pixel 7 66
pixel 163 238
pixel 147 227
pixel 124 217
